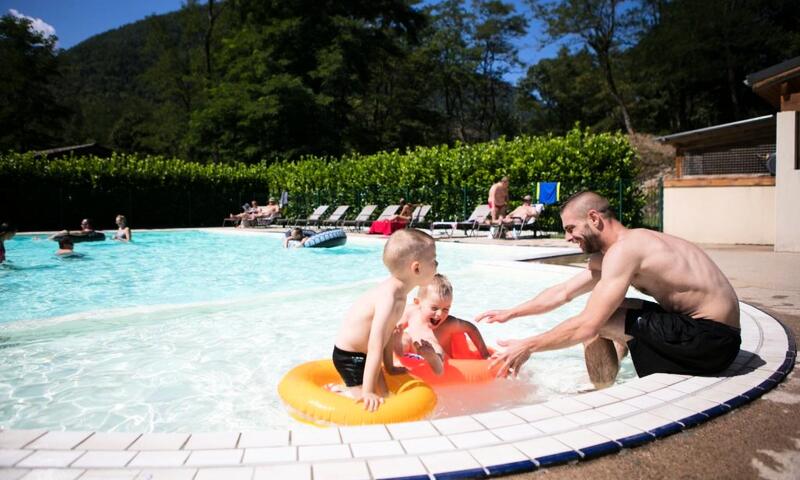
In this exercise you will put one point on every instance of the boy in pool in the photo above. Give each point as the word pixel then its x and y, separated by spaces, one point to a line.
pixel 428 329
pixel 362 343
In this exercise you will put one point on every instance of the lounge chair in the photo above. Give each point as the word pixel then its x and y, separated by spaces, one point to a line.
pixel 267 221
pixel 388 212
pixel 336 216
pixel 362 218
pixel 418 217
pixel 312 219
pixel 470 226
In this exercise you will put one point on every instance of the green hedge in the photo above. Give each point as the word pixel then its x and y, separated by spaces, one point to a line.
pixel 42 194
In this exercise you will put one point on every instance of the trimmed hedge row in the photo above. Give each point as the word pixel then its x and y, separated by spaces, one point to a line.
pixel 42 194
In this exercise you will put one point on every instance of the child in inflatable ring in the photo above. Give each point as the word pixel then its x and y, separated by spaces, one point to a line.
pixel 427 329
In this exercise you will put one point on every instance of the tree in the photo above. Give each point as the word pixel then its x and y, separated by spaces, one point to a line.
pixel 597 24
pixel 29 114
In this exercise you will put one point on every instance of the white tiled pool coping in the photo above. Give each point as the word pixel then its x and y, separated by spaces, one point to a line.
pixel 481 445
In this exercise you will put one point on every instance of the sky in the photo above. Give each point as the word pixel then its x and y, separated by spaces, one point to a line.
pixel 73 21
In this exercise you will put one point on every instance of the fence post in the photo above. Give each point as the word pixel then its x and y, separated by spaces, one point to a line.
pixel 464 205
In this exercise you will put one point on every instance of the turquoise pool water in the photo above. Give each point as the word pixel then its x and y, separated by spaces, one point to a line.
pixel 191 330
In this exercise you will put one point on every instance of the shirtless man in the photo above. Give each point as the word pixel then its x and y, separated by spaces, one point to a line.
pixel 498 199
pixel 693 329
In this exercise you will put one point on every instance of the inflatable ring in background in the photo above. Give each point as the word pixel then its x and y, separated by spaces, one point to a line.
pixel 466 365
pixel 78 237
pixel 327 239
pixel 303 391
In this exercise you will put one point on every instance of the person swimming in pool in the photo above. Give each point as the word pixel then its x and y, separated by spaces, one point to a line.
pixel 428 329
pixel 7 232
pixel 363 342
pixel 692 329
pixel 296 239
pixel 66 247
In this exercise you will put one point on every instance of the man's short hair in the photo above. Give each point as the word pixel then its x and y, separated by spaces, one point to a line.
pixel 586 200
pixel 440 287
pixel 404 247
pixel 527 198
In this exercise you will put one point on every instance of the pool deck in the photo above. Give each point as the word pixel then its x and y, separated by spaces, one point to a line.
pixel 759 437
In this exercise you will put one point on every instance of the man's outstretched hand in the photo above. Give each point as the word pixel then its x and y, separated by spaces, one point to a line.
pixel 494 316
pixel 511 359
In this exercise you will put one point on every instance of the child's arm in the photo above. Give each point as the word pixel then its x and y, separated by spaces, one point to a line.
pixel 394 347
pixel 431 354
pixel 381 320
pixel 475 336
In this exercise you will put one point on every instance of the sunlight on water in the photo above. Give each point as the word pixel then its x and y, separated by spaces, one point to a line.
pixel 192 331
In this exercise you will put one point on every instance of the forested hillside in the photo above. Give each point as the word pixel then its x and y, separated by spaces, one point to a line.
pixel 251 80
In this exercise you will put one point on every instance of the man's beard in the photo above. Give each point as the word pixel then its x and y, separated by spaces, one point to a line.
pixel 591 241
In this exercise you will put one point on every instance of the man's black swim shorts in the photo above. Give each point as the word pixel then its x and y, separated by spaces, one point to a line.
pixel 665 342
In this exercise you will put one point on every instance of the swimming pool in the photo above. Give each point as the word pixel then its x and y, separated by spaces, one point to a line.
pixel 192 330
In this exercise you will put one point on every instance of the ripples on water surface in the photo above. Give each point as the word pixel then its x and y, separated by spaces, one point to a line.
pixel 191 331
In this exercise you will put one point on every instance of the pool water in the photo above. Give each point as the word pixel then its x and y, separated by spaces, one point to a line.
pixel 191 331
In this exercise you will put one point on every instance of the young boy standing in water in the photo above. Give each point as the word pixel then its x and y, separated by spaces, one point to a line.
pixel 362 343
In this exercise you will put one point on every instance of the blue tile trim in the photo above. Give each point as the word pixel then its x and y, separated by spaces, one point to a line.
pixel 636 440
pixel 461 474
pixel 509 468
pixel 777 376
pixel 753 393
pixel 716 411
pixel 693 420
pixel 413 477
pixel 737 401
pixel 599 450
pixel 668 429
pixel 787 365
pixel 767 385
pixel 557 458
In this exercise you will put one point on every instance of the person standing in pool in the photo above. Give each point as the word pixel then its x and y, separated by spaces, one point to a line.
pixel 693 329
pixel 123 230
pixel 363 341
pixel 6 233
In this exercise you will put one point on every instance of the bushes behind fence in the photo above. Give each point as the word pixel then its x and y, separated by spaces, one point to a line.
pixel 43 194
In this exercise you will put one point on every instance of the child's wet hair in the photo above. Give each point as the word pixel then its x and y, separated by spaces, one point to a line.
pixel 405 246
pixel 440 287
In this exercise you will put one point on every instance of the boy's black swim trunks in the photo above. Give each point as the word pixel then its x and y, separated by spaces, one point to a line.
pixel 350 366
pixel 665 342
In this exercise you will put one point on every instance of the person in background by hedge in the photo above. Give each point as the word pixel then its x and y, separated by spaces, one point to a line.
pixel 498 199
pixel 6 233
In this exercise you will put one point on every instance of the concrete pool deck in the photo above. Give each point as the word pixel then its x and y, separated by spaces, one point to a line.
pixel 758 438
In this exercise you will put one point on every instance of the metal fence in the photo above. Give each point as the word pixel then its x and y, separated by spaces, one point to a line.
pixel 744 160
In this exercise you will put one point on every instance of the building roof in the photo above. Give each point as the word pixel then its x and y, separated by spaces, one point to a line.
pixel 768 83
pixel 753 131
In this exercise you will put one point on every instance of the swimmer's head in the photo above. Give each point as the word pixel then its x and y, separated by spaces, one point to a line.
pixel 435 300
pixel 410 254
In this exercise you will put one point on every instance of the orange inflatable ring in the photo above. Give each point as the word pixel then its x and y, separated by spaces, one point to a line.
pixel 466 365
pixel 303 391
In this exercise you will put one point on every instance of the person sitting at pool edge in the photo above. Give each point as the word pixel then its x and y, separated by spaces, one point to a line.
pixel 7 232
pixel 123 232
pixel 363 341
pixel 296 239
pixel 692 330
pixel 428 329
